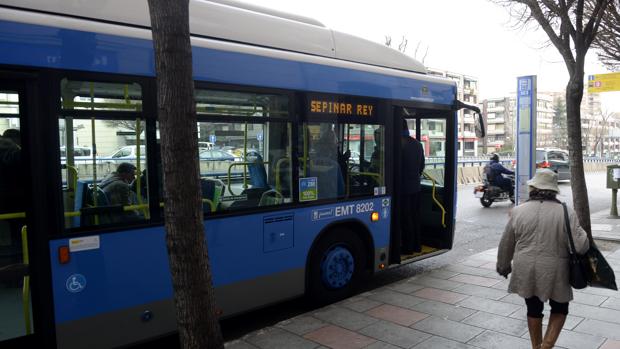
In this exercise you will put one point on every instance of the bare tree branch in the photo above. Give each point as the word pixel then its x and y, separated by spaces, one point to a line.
pixel 607 40
pixel 402 47
pixel 563 22
pixel 388 41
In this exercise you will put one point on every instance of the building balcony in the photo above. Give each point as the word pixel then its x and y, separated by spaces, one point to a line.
pixel 467 134
pixel 468 119
pixel 499 109
pixel 469 91
pixel 496 132
pixel 496 143
pixel 496 121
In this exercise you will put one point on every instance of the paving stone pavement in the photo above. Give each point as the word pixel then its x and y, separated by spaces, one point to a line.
pixel 460 306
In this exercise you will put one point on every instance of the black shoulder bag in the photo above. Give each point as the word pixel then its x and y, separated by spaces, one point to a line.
pixel 577 264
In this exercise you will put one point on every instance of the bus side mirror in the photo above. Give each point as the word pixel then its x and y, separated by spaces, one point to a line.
pixel 478 121
pixel 479 126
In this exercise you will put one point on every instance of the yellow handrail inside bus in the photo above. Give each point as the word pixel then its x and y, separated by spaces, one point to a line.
pixel 139 207
pixel 145 212
pixel 73 174
pixel 443 210
pixel 14 215
pixel 244 164
pixel 26 287
pixel 305 155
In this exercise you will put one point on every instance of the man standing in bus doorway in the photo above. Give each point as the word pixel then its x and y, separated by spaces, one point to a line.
pixel 12 195
pixel 412 167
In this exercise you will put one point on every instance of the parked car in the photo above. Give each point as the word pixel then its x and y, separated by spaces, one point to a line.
pixel 215 155
pixel 128 152
pixel 80 154
pixel 554 159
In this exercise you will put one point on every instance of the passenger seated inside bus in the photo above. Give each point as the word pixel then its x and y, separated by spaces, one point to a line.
pixel 325 166
pixel 212 192
pixel 118 190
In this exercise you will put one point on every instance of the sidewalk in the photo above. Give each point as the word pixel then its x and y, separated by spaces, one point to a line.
pixel 604 227
pixel 463 305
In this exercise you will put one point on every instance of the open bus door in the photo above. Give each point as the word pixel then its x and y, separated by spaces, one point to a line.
pixel 15 300
pixel 435 130
pixel 25 319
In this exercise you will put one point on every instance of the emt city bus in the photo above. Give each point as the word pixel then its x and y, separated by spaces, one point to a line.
pixel 299 133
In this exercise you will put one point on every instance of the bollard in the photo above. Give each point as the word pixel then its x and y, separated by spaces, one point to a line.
pixel 613 183
pixel 614 207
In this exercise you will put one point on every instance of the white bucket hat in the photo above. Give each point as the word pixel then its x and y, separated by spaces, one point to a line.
pixel 545 179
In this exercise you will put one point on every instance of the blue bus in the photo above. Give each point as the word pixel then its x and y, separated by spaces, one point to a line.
pixel 299 130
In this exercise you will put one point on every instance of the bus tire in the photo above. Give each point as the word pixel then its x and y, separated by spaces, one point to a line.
pixel 336 266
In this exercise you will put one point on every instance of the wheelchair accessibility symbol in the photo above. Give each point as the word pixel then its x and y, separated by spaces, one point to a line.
pixel 76 283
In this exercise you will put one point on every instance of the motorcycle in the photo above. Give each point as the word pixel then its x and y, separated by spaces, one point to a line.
pixel 488 193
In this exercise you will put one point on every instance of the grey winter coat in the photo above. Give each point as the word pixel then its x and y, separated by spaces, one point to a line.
pixel 537 244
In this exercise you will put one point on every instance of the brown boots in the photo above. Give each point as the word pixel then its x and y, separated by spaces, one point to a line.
pixel 556 322
pixel 534 324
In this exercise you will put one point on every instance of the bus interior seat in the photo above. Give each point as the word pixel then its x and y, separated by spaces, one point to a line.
pixel 80 199
pixel 252 198
pixel 256 168
pixel 212 189
pixel 98 200
pixel 270 197
pixel 430 213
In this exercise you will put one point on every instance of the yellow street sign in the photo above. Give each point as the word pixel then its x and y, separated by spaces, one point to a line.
pixel 604 82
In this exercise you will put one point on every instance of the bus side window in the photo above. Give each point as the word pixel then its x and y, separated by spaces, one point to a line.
pixel 248 160
pixel 102 160
pixel 322 159
pixel 367 160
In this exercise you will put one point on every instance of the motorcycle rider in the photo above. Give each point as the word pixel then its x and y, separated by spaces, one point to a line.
pixel 494 171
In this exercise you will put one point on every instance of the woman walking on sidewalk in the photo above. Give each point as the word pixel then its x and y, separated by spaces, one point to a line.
pixel 536 242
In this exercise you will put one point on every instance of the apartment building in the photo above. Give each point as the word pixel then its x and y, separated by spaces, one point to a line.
pixel 500 116
pixel 468 93
pixel 594 124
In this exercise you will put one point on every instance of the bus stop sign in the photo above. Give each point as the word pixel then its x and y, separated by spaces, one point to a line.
pixel 604 82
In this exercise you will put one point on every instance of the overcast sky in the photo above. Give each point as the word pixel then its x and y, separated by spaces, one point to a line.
pixel 472 37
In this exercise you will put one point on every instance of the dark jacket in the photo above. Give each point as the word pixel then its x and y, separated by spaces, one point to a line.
pixel 497 170
pixel 11 177
pixel 118 192
pixel 412 164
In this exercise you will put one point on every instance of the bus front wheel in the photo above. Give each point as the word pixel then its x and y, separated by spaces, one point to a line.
pixel 336 266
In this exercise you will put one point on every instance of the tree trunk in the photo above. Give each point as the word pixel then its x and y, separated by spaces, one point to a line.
pixel 574 95
pixel 185 236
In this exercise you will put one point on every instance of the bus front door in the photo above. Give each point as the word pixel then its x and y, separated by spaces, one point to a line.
pixel 435 213
pixel 16 316
pixel 27 212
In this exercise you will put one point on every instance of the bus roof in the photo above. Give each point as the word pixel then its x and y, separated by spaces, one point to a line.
pixel 242 23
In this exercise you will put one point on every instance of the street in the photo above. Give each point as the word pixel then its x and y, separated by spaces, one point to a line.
pixel 478 229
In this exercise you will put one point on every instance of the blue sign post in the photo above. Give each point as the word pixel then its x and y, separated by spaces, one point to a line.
pixel 526 135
